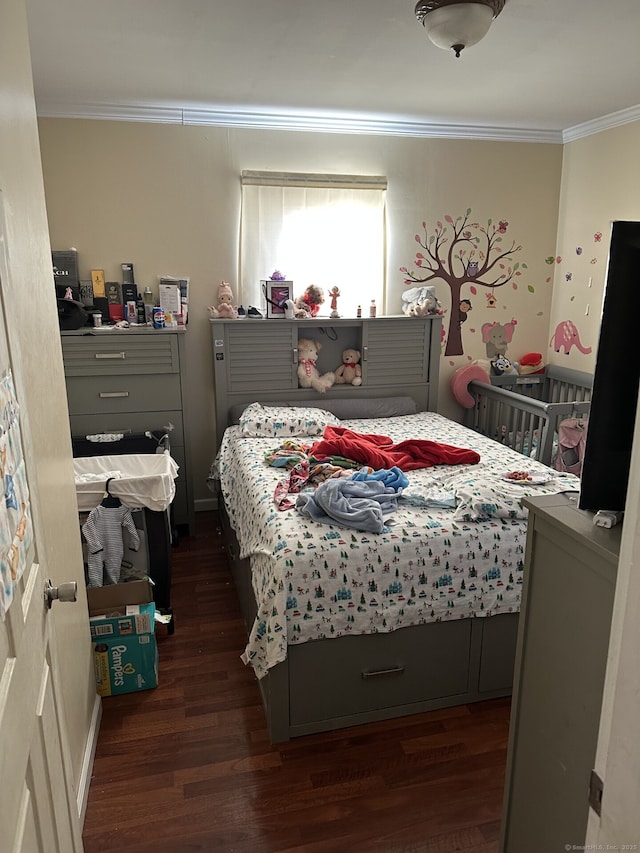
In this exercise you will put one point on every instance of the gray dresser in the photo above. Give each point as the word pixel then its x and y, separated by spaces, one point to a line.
pixel 561 658
pixel 129 382
pixel 257 360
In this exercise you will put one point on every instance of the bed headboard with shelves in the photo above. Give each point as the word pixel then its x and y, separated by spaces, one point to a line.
pixel 257 360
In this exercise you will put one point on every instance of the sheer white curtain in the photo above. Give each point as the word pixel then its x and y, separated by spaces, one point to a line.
pixel 316 229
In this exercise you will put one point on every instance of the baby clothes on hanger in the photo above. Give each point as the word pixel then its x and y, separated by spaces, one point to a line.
pixel 103 532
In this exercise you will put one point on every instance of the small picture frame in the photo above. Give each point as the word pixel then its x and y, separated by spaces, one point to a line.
pixel 277 293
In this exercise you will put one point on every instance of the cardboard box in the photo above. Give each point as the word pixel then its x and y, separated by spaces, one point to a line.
pixel 125 664
pixel 125 653
pixel 135 619
pixel 121 609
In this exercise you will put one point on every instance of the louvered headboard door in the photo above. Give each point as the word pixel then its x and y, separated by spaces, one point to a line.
pixel 397 352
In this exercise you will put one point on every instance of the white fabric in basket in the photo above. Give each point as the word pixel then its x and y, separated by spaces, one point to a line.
pixel 145 480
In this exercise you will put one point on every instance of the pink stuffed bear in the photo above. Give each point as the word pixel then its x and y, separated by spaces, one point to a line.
pixel 349 372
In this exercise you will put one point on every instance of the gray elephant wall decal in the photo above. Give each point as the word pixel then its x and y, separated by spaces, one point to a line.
pixel 497 337
pixel 566 336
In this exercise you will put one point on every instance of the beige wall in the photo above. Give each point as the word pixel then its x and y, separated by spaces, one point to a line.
pixel 167 198
pixel 600 179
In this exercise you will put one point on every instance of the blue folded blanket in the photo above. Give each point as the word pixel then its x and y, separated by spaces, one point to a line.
pixel 360 504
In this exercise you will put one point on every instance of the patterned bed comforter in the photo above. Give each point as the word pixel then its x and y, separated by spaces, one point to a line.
pixel 315 580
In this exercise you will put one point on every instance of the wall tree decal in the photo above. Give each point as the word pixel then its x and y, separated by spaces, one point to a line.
pixel 462 252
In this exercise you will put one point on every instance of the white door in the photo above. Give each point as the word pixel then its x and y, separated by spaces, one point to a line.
pixel 38 811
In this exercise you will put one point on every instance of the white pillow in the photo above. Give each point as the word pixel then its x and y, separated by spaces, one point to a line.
pixel 258 421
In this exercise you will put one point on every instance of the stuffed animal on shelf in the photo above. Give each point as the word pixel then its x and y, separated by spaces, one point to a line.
pixel 349 372
pixel 421 301
pixel 225 309
pixel 309 303
pixel 308 374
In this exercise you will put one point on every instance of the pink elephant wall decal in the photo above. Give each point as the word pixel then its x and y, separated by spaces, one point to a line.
pixel 566 336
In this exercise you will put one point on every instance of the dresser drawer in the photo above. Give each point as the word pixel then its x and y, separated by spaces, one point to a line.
pixel 103 355
pixel 129 423
pixel 107 394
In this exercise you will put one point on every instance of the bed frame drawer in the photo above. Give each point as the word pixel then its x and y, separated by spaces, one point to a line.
pixel 329 682
pixel 498 656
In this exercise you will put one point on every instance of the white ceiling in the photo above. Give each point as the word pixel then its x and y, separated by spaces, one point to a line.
pixel 547 70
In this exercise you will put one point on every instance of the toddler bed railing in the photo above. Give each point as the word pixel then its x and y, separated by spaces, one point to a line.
pixel 524 412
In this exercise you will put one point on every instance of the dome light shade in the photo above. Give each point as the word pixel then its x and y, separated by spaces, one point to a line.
pixel 454 24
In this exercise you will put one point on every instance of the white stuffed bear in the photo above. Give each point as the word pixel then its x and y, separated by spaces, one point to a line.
pixel 420 302
pixel 349 372
pixel 308 374
pixel 225 309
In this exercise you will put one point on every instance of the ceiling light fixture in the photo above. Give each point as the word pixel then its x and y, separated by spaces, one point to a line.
pixel 456 24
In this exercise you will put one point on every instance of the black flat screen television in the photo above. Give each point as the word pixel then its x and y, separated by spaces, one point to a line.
pixel 607 454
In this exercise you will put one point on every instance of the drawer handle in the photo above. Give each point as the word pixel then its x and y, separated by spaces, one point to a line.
pixel 373 673
pixel 365 353
pixel 120 355
pixel 294 354
pixel 106 394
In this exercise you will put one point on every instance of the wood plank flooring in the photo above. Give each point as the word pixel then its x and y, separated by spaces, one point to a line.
pixel 189 767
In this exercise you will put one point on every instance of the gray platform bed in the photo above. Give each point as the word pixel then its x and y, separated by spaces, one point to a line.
pixel 524 412
pixel 330 684
pixel 327 684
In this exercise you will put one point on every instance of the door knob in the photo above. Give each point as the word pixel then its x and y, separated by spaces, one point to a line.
pixel 64 592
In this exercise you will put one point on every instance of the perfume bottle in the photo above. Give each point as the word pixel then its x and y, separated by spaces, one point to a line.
pixel 372 308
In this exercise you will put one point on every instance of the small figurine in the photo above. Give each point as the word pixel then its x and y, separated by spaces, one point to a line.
pixel 276 275
pixel 225 309
pixel 334 293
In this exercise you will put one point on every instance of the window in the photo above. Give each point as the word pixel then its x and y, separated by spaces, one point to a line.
pixel 327 230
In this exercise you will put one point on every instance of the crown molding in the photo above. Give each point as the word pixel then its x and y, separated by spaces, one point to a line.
pixel 110 112
pixel 588 128
pixel 374 125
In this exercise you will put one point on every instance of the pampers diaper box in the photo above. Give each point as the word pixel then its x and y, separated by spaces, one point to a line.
pixel 125 653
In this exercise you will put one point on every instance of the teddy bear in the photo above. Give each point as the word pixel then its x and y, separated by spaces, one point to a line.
pixel 308 374
pixel 309 303
pixel 225 309
pixel 420 302
pixel 349 372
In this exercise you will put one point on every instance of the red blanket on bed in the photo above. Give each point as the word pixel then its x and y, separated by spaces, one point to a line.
pixel 379 452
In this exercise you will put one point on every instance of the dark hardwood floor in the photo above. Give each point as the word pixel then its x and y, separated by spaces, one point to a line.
pixel 189 766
